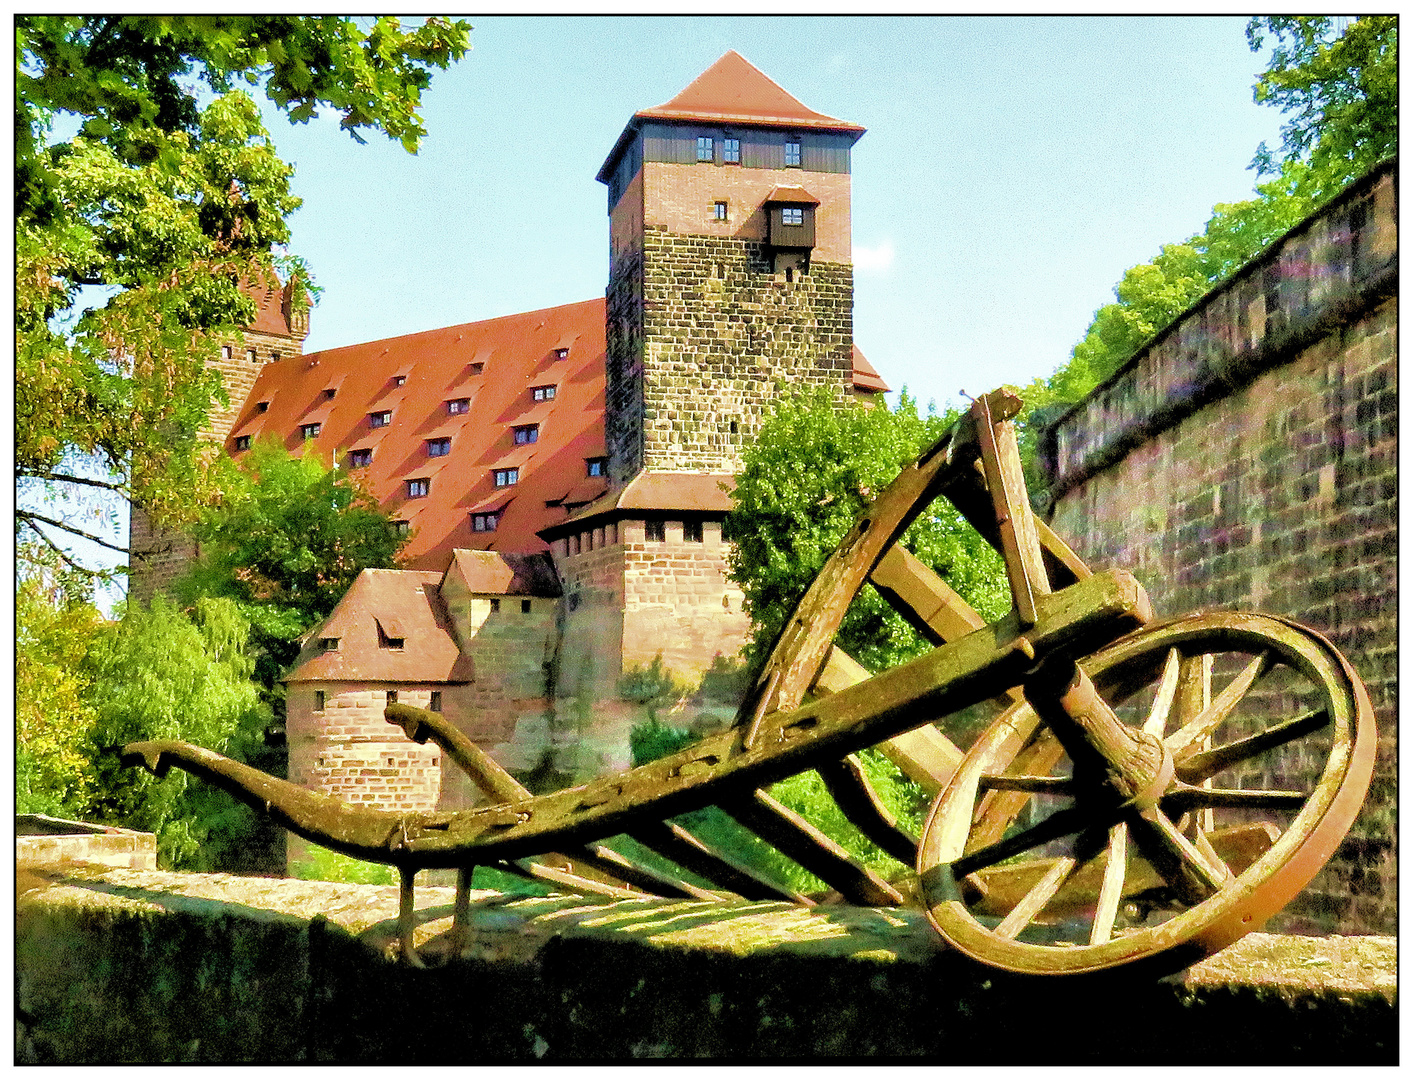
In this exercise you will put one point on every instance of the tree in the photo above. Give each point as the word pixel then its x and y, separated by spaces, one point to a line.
pixel 161 674
pixel 135 233
pixel 817 464
pixel 284 545
pixel 55 623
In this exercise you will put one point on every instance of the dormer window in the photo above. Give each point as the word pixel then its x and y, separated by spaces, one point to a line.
pixel 458 406
pixel 484 522
pixel 596 466
pixel 417 489
pixel 561 354
pixel 507 477
pixel 360 459
pixel 329 644
pixel 476 368
pixel 310 431
pixel 380 419
pixel 263 406
pixel 386 641
pixel 542 393
pixel 438 447
pixel 527 434
pixel 792 154
pixel 329 393
pixel 402 528
pixel 792 215
pixel 400 380
pixel 706 151
pixel 731 151
pixel 242 442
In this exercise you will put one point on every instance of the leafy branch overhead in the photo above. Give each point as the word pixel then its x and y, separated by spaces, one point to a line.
pixel 147 192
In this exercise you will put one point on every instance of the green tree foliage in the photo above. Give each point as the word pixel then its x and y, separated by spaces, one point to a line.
pixel 146 191
pixel 161 674
pixel 55 623
pixel 285 543
pixel 818 462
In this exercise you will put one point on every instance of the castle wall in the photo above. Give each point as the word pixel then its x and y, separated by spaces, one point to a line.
pixel 1248 459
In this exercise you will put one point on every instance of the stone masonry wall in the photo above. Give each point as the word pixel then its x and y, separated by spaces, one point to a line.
pixel 1248 459
pixel 700 332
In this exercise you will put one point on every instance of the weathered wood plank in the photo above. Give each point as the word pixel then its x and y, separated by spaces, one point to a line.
pixel 850 788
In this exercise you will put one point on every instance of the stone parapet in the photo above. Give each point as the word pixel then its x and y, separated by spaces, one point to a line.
pixel 146 967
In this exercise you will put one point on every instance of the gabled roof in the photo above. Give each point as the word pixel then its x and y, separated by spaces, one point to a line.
pixel 790 193
pixel 272 306
pixel 731 91
pixel 504 573
pixel 517 354
pixel 400 603
pixel 661 492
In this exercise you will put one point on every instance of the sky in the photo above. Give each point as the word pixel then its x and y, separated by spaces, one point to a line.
pixel 1012 170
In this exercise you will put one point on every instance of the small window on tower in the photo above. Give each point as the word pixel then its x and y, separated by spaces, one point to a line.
pixel 435 705
pixel 705 150
pixel 719 210
pixel 458 406
pixel 731 151
pixel 360 459
pixel 225 352
pixel 274 356
pixel 392 697
pixel 309 431
pixel 524 607
pixel 527 434
pixel 417 489
pixel 655 532
pixel 792 215
pixel 542 393
pixel 692 532
pixel 250 355
pixel 495 604
pixel 792 154
pixel 318 701
pixel 438 447
pixel 596 466
pixel 242 442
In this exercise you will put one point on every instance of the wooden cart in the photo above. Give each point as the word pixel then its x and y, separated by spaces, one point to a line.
pixel 1149 792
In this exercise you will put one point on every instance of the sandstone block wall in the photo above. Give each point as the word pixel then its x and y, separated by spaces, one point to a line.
pixel 1248 459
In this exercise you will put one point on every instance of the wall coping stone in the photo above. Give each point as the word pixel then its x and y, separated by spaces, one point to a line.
pixel 561 978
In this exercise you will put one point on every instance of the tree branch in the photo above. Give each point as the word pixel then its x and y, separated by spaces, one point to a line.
pixel 79 567
pixel 29 517
pixel 67 479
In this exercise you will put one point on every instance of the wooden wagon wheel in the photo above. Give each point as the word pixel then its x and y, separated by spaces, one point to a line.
pixel 1143 810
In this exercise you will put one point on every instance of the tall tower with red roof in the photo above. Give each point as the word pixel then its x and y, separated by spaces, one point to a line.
pixel 729 268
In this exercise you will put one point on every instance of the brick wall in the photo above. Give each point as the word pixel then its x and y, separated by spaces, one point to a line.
pixel 1248 459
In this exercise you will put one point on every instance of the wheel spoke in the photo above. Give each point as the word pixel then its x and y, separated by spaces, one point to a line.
pixel 1176 858
pixel 1186 798
pixel 1061 823
pixel 1210 762
pixel 1029 907
pixel 1167 690
pixel 1040 785
pixel 1186 740
pixel 1112 888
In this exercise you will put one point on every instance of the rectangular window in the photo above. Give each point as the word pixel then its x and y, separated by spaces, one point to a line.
pixel 274 355
pixel 692 532
pixel 438 447
pixel 719 211
pixel 318 701
pixel 495 605
pixel 402 528
pixel 596 466
pixel 242 442
pixel 524 607
pixel 225 352
pixel 435 705
pixel 655 531
pixel 360 459
pixel 731 151
pixel 705 150
pixel 527 434
pixel 379 419
pixel 506 477
pixel 792 153
pixel 417 489
pixel 484 522
pixel 250 355
pixel 309 431
pixel 792 215
pixel 392 697
pixel 542 393
pixel 458 406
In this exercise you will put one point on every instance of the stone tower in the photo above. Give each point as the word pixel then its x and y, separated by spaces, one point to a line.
pixel 729 268
pixel 159 557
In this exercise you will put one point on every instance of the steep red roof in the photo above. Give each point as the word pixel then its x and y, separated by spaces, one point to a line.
pixel 382 605
pixel 865 378
pixel 271 306
pixel 734 89
pixel 517 354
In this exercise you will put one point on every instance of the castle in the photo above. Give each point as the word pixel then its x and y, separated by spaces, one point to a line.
pixel 563 474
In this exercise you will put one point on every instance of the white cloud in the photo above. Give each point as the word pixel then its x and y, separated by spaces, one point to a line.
pixel 874 259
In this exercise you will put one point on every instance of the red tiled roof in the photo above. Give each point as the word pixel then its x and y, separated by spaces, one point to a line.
pixel 664 492
pixel 791 193
pixel 269 296
pixel 735 89
pixel 865 378
pixel 406 604
pixel 517 351
pixel 503 573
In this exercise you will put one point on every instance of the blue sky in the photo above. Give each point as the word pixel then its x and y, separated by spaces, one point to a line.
pixel 1012 170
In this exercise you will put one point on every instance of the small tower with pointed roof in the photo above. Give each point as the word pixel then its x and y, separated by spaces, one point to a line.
pixel 729 268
